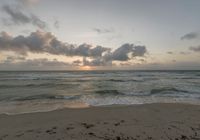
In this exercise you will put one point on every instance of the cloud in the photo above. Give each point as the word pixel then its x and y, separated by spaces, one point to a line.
pixel 12 59
pixel 35 64
pixel 36 21
pixel 9 59
pixel 98 51
pixel 96 62
pixel 87 50
pixel 57 24
pixel 103 31
pixel 46 42
pixel 195 48
pixel 170 52
pixel 138 51
pixel 123 52
pixel 19 17
pixel 44 62
pixel 77 62
pixel 184 53
pixel 16 15
pixel 190 36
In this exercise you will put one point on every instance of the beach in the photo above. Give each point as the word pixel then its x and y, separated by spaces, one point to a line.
pixel 100 70
pixel 134 122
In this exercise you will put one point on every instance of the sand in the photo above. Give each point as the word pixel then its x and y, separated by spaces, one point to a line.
pixel 138 122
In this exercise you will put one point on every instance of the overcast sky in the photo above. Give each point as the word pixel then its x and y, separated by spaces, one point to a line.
pixel 99 34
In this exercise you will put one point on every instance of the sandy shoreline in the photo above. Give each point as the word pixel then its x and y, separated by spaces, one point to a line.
pixel 150 121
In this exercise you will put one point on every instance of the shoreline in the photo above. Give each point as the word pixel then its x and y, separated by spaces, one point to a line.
pixel 146 121
pixel 78 107
pixel 101 106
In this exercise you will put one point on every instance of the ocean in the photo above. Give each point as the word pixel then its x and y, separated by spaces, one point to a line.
pixel 35 91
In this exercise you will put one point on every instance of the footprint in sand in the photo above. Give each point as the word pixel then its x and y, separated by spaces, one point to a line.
pixel 87 126
pixel 69 128
pixel 51 131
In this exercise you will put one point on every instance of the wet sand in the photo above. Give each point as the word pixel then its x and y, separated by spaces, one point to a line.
pixel 138 122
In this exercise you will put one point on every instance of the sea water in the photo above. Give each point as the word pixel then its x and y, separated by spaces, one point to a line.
pixel 34 91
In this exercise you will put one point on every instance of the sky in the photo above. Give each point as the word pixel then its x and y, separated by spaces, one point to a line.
pixel 99 34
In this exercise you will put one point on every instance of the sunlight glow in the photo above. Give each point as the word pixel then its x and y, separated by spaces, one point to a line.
pixel 86 68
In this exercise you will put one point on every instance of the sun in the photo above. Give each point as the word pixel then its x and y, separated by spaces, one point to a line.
pixel 86 68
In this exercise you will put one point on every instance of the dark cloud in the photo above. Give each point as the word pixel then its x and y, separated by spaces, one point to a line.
pixel 123 54
pixel 85 50
pixel 45 42
pixel 98 51
pixel 195 48
pixel 16 15
pixel 139 51
pixel 142 60
pixel 77 62
pixel 190 36
pixel 127 51
pixel 19 17
pixel 103 31
pixel 36 21
pixel 170 53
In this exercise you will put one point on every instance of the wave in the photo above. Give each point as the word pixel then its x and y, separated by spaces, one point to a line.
pixel 157 91
pixel 49 97
pixel 129 80
pixel 109 92
pixel 166 90
pixel 40 85
pixel 187 78
pixel 52 85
